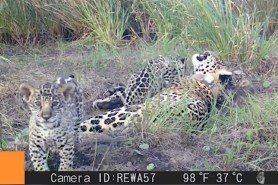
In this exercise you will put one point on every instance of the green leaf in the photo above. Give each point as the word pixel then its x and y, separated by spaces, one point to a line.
pixel 3 144
pixel 130 140
pixel 266 84
pixel 144 146
pixel 25 132
pixel 23 135
pixel 150 167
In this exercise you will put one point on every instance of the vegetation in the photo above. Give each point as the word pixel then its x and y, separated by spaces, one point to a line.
pixel 104 41
pixel 240 30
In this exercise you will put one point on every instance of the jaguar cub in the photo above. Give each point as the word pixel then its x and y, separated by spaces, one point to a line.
pixel 159 73
pixel 56 112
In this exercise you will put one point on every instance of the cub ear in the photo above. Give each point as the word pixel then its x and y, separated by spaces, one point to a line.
pixel 26 90
pixel 68 90
pixel 183 60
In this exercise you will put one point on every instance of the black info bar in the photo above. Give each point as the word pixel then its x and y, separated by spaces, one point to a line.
pixel 135 177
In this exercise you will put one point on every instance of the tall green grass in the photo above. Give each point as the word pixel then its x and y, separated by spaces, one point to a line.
pixel 19 21
pixel 229 29
pixel 242 31
pixel 166 18
pixel 250 131
pixel 105 20
pixel 31 22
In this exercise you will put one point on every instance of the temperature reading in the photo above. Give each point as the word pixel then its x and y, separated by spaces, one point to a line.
pixel 213 177
pixel 189 177
pixel 222 177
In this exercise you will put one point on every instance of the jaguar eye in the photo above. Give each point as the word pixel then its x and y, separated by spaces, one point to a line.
pixel 200 58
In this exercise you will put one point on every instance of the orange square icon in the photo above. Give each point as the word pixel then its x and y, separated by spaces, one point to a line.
pixel 12 167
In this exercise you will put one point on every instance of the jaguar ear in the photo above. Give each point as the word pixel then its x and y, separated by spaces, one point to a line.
pixel 207 53
pixel 196 59
pixel 26 90
pixel 225 75
pixel 68 90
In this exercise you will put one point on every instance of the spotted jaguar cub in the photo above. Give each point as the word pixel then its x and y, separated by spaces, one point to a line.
pixel 56 112
pixel 157 74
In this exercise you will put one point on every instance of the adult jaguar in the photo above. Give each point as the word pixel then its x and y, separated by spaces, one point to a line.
pixel 195 95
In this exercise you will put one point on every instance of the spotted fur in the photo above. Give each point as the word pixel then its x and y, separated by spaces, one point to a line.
pixel 56 112
pixel 156 75
pixel 193 97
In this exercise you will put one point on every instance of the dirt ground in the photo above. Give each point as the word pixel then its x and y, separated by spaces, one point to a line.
pixel 116 150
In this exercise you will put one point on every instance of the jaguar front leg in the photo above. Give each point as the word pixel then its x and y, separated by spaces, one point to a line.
pixel 38 153
pixel 66 152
